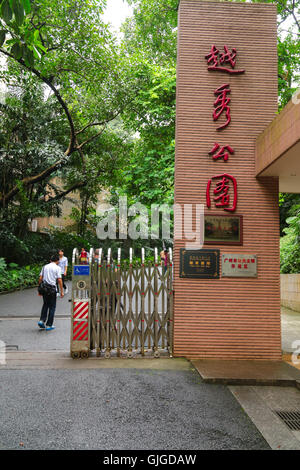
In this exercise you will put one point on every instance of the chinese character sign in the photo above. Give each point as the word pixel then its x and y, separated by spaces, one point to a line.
pixel 221 190
pixel 224 193
pixel 215 60
pixel 239 265
pixel 222 152
pixel 221 104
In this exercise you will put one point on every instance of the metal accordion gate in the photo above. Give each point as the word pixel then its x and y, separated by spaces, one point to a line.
pixel 121 309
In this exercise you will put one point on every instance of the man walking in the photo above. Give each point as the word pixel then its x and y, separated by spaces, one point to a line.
pixel 49 275
pixel 63 264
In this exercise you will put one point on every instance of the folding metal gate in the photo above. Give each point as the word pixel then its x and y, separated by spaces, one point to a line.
pixel 121 308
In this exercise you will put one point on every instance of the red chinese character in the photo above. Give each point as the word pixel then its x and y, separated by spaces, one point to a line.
pixel 222 104
pixel 213 57
pixel 222 192
pixel 226 57
pixel 222 153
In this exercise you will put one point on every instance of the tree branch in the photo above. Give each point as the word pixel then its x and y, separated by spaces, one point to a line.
pixel 72 143
pixel 71 147
pixel 78 185
pixel 92 124
pixel 30 180
pixel 91 139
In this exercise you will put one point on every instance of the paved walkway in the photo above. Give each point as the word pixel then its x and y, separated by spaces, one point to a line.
pixel 262 404
pixel 27 303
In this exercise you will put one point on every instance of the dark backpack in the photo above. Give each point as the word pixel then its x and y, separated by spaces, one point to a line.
pixel 46 289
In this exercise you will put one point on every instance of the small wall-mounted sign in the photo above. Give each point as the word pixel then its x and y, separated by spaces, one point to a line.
pixel 203 264
pixel 239 265
pixel 223 229
pixel 81 285
pixel 81 270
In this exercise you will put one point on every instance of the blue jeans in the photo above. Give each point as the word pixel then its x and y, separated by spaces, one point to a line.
pixel 48 309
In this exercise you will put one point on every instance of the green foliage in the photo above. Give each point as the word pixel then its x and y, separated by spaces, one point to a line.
pixel 17 34
pixel 153 30
pixel 106 158
pixel 136 262
pixel 86 72
pixel 30 141
pixel 64 133
pixel 13 277
pixel 66 240
pixel 287 205
pixel 290 244
pixel 288 47
pixel 2 266
pixel 288 67
pixel 149 178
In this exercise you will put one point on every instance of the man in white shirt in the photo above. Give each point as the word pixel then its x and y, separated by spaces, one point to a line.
pixel 50 274
pixel 63 264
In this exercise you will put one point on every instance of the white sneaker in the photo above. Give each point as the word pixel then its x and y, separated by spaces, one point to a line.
pixel 66 290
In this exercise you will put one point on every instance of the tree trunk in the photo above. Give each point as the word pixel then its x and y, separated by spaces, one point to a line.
pixel 84 212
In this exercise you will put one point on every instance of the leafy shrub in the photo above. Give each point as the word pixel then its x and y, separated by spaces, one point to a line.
pixel 67 241
pixel 290 246
pixel 14 277
pixel 2 267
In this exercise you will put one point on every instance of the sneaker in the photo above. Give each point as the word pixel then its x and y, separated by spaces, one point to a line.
pixel 48 328
pixel 57 294
pixel 66 290
pixel 41 324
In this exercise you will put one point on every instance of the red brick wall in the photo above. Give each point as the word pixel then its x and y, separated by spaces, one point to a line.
pixel 228 318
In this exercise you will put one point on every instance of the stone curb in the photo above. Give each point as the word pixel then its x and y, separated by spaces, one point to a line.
pixel 290 376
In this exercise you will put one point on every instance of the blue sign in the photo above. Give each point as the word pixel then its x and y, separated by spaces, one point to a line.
pixel 83 270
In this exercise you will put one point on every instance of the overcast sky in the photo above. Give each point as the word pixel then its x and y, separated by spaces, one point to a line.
pixel 116 12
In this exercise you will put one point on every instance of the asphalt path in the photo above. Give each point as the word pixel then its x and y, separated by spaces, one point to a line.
pixel 120 409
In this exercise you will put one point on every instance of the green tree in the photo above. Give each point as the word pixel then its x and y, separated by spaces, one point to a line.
pixel 81 65
pixel 107 156
pixel 290 244
pixel 150 177
pixel 287 204
pixel 153 30
pixel 29 141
